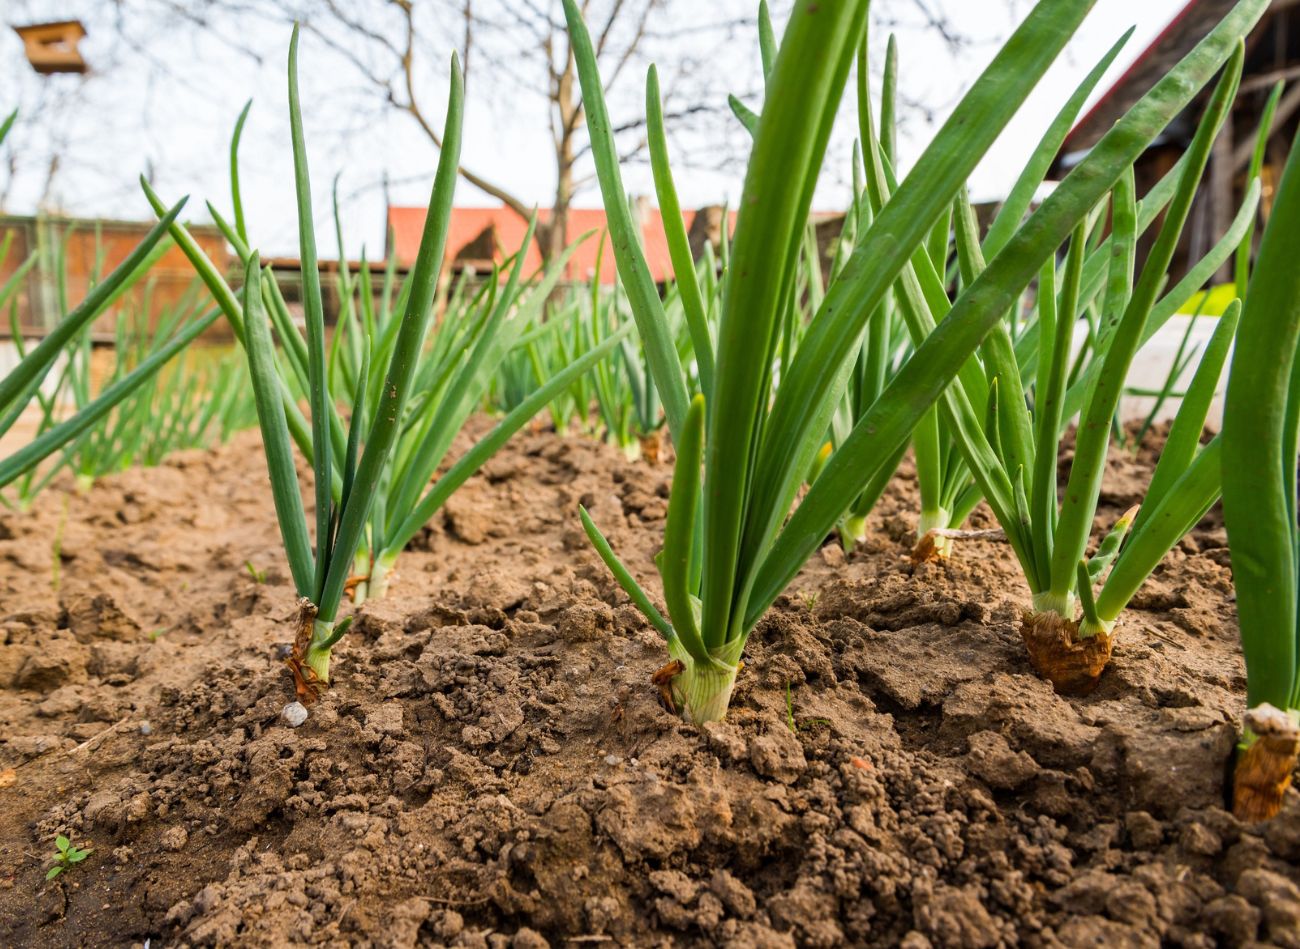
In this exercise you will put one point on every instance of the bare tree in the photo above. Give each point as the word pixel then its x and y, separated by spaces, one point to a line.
pixel 519 49
pixel 388 57
pixel 516 53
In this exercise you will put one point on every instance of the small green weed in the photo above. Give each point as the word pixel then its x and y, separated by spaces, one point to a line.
pixel 807 723
pixel 67 857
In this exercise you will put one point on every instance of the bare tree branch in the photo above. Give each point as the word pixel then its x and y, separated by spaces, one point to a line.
pixel 386 61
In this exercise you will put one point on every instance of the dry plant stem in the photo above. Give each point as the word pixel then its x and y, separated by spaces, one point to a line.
pixel 651 445
pixel 663 682
pixel 931 549
pixel 1263 772
pixel 932 545
pixel 928 547
pixel 1063 654
pixel 309 666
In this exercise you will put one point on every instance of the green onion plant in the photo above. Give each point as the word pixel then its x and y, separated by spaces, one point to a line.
pixel 476 329
pixel 1012 450
pixel 1259 457
pixel 189 403
pixel 948 491
pixel 193 402
pixel 405 394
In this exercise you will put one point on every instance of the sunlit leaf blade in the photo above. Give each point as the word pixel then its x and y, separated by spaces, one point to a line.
pixel 236 197
pixel 1259 457
pixel 275 435
pixel 679 248
pixel 410 340
pixel 318 392
pixel 679 533
pixel 624 578
pixel 1084 485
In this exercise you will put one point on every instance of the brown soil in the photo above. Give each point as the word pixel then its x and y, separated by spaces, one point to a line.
pixel 492 767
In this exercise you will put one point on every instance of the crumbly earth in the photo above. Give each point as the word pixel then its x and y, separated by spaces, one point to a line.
pixel 492 767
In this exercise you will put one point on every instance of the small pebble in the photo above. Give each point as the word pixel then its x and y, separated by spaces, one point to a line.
pixel 612 760
pixel 146 728
pixel 294 714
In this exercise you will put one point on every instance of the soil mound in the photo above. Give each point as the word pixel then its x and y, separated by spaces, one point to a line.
pixel 492 767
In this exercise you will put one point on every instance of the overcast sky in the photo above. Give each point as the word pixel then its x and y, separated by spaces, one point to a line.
pixel 183 146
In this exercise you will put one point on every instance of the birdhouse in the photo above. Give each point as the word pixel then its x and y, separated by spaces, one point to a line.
pixel 52 47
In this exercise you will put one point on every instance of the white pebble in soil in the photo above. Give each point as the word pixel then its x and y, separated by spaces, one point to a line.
pixel 294 714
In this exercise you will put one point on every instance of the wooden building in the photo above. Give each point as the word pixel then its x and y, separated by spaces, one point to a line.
pixel 1272 56
pixel 288 275
pixel 91 247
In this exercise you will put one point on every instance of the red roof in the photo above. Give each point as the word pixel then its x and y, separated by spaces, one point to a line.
pixel 406 224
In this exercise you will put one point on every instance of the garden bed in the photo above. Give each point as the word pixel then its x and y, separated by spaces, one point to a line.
pixel 491 766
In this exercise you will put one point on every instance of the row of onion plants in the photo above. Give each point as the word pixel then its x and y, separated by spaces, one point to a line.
pixel 747 442
pixel 48 370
